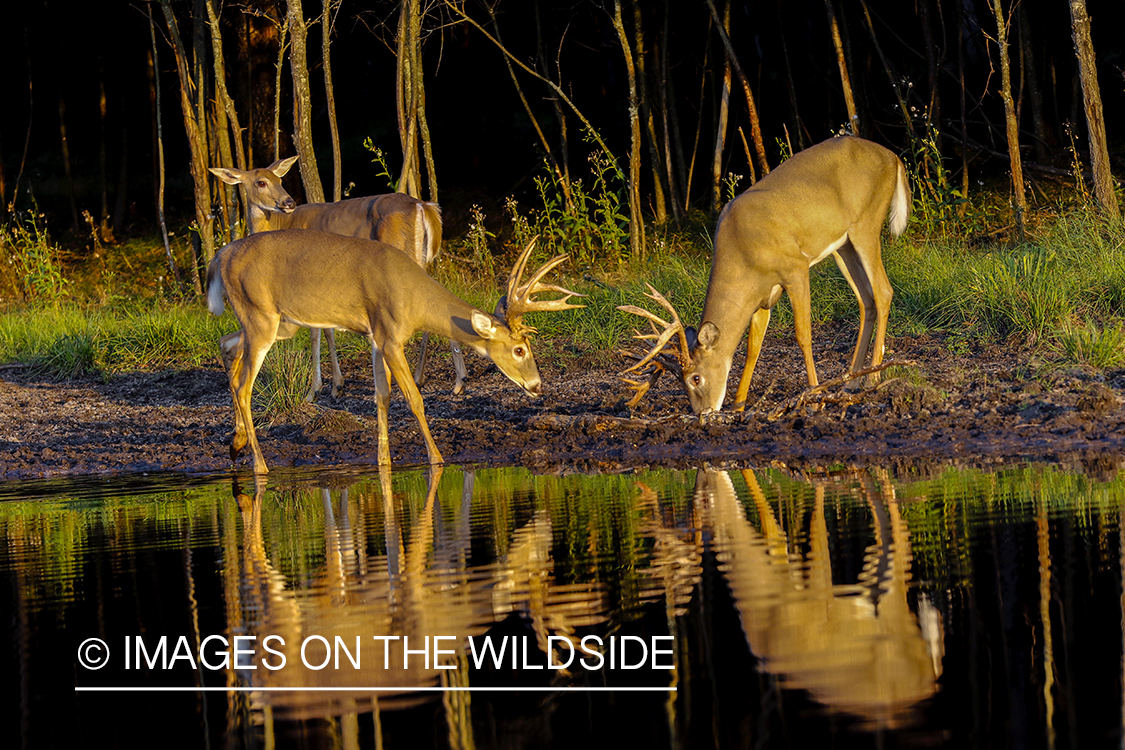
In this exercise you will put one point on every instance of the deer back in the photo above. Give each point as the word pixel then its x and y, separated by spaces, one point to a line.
pixel 397 219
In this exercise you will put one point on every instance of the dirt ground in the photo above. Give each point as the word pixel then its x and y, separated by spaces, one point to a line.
pixel 985 407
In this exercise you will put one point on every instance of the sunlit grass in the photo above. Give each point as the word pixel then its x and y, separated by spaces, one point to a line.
pixel 1061 292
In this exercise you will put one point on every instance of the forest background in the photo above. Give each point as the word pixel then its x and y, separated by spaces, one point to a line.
pixel 566 119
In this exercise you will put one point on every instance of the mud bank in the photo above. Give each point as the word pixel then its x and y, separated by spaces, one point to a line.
pixel 990 406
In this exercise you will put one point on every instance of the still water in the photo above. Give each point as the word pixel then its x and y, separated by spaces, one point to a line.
pixel 496 608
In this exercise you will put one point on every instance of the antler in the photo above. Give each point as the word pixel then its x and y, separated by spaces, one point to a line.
pixel 656 359
pixel 661 337
pixel 518 301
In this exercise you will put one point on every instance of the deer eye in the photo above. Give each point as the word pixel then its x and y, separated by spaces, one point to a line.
pixel 261 183
pixel 696 380
pixel 519 351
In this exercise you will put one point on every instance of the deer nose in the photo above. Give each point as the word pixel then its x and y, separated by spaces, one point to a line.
pixel 533 388
pixel 288 204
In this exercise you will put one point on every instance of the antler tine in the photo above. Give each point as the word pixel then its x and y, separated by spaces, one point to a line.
pixel 520 300
pixel 685 351
pixel 656 350
pixel 519 267
pixel 662 331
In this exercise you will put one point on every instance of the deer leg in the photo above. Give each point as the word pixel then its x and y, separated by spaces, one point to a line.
pixel 458 367
pixel 419 371
pixel 881 287
pixel 802 322
pixel 337 376
pixel 314 375
pixel 382 402
pixel 400 369
pixel 231 352
pixel 248 364
pixel 850 261
pixel 758 324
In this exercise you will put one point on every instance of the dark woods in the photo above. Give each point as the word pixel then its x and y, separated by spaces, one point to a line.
pixel 118 109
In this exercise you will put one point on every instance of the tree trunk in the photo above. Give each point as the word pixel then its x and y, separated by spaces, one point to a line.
pixel 841 62
pixel 698 120
pixel 409 179
pixel 279 69
pixel 158 150
pixel 792 88
pixel 721 129
pixel 195 124
pixel 302 102
pixel 330 97
pixel 751 107
pixel 661 209
pixel 1092 99
pixel 636 221
pixel 667 117
pixel 965 183
pixel 227 118
pixel 933 64
pixel 1013 131
pixel 562 164
pixel 1043 137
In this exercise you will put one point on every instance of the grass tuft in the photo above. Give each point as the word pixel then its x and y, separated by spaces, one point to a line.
pixel 1100 348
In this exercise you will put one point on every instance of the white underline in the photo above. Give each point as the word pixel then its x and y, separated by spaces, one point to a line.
pixel 146 689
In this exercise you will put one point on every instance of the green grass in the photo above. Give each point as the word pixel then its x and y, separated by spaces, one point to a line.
pixel 1061 293
pixel 69 340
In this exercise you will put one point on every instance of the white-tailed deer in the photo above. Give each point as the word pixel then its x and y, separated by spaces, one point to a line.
pixel 277 282
pixel 831 199
pixel 411 225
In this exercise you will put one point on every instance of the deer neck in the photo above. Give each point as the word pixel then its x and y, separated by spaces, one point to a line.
pixel 262 220
pixel 445 314
pixel 730 304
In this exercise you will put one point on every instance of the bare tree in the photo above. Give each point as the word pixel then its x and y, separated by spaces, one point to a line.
pixel 841 62
pixel 1013 131
pixel 1092 98
pixel 158 150
pixel 326 23
pixel 195 124
pixel 721 128
pixel 636 222
pixel 751 107
pixel 640 53
pixel 411 98
pixel 302 102
pixel 228 119
pixel 1043 137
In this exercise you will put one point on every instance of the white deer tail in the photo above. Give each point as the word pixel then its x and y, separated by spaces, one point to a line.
pixel 900 204
pixel 214 287
pixel 427 232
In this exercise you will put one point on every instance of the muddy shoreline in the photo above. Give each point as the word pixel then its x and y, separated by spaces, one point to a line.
pixel 991 406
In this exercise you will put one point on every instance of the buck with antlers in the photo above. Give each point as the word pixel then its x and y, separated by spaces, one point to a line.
pixel 411 225
pixel 277 282
pixel 831 199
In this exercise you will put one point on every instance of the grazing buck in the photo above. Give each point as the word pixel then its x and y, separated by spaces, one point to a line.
pixel 411 225
pixel 831 199
pixel 277 282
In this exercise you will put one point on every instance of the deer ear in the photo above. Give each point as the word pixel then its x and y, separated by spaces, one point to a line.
pixel 282 166
pixel 501 307
pixel 483 325
pixel 226 175
pixel 708 335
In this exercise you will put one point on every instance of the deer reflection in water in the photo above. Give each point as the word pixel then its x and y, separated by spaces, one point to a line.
pixel 423 585
pixel 856 648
